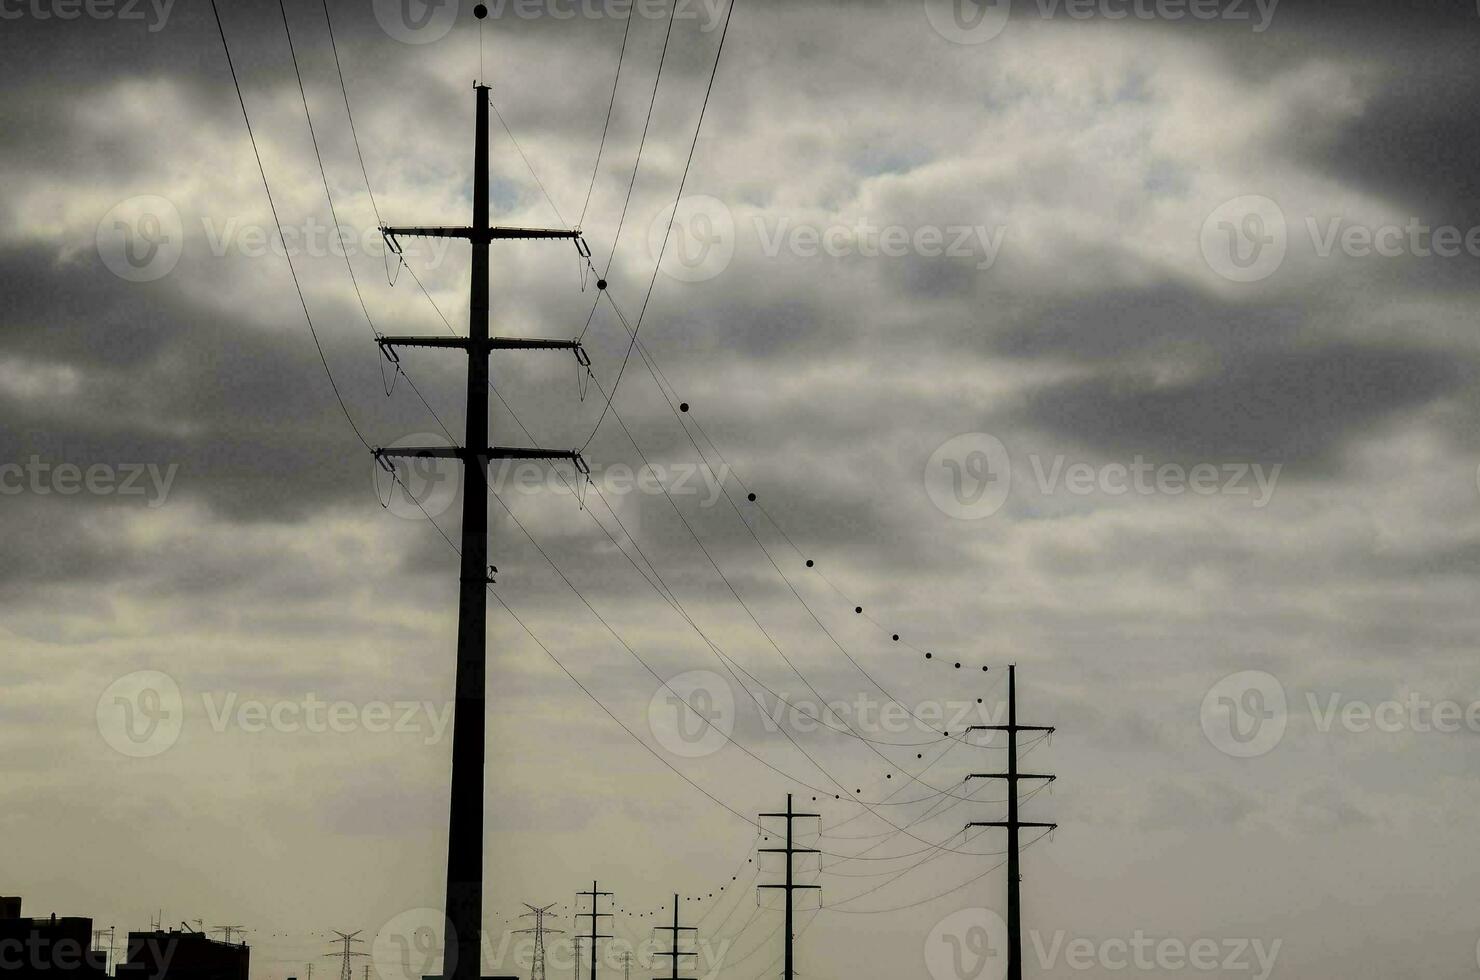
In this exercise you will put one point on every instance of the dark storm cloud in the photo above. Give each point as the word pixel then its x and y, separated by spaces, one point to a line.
pixel 829 383
pixel 1298 407
pixel 1416 142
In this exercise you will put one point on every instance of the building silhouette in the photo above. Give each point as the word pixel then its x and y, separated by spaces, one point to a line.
pixel 182 955
pixel 47 948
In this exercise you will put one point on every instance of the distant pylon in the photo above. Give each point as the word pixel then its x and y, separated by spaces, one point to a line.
pixel 227 931
pixel 595 915
pixel 346 972
pixel 790 850
pixel 537 966
pixel 1012 823
pixel 676 931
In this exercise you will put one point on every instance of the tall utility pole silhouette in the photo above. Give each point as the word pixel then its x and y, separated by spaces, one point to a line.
pixel 111 949
pixel 346 972
pixel 464 895
pixel 673 952
pixel 1012 823
pixel 594 915
pixel 537 966
pixel 789 972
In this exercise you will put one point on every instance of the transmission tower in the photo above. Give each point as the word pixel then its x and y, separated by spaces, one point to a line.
pixel 227 931
pixel 464 894
pixel 594 915
pixel 346 971
pixel 1012 823
pixel 673 953
pixel 537 967
pixel 789 971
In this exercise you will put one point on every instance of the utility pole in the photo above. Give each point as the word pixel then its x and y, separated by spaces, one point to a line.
pixel 575 945
pixel 464 894
pixel 1012 823
pixel 537 967
pixel 109 951
pixel 227 931
pixel 345 970
pixel 593 915
pixel 673 953
pixel 626 966
pixel 789 972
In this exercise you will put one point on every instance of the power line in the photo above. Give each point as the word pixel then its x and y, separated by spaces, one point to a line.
pixel 350 114
pixel 667 232
pixel 297 286
pixel 596 167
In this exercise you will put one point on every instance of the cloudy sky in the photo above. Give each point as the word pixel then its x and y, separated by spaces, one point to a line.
pixel 1129 342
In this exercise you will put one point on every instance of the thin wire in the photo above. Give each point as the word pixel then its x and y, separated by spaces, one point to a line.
pixel 933 898
pixel 642 141
pixel 297 286
pixel 728 737
pixel 345 91
pixel 532 173
pixel 762 546
pixel 606 125
pixel 668 231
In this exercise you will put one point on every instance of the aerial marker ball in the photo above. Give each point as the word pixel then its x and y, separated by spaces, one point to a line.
pixel 480 11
